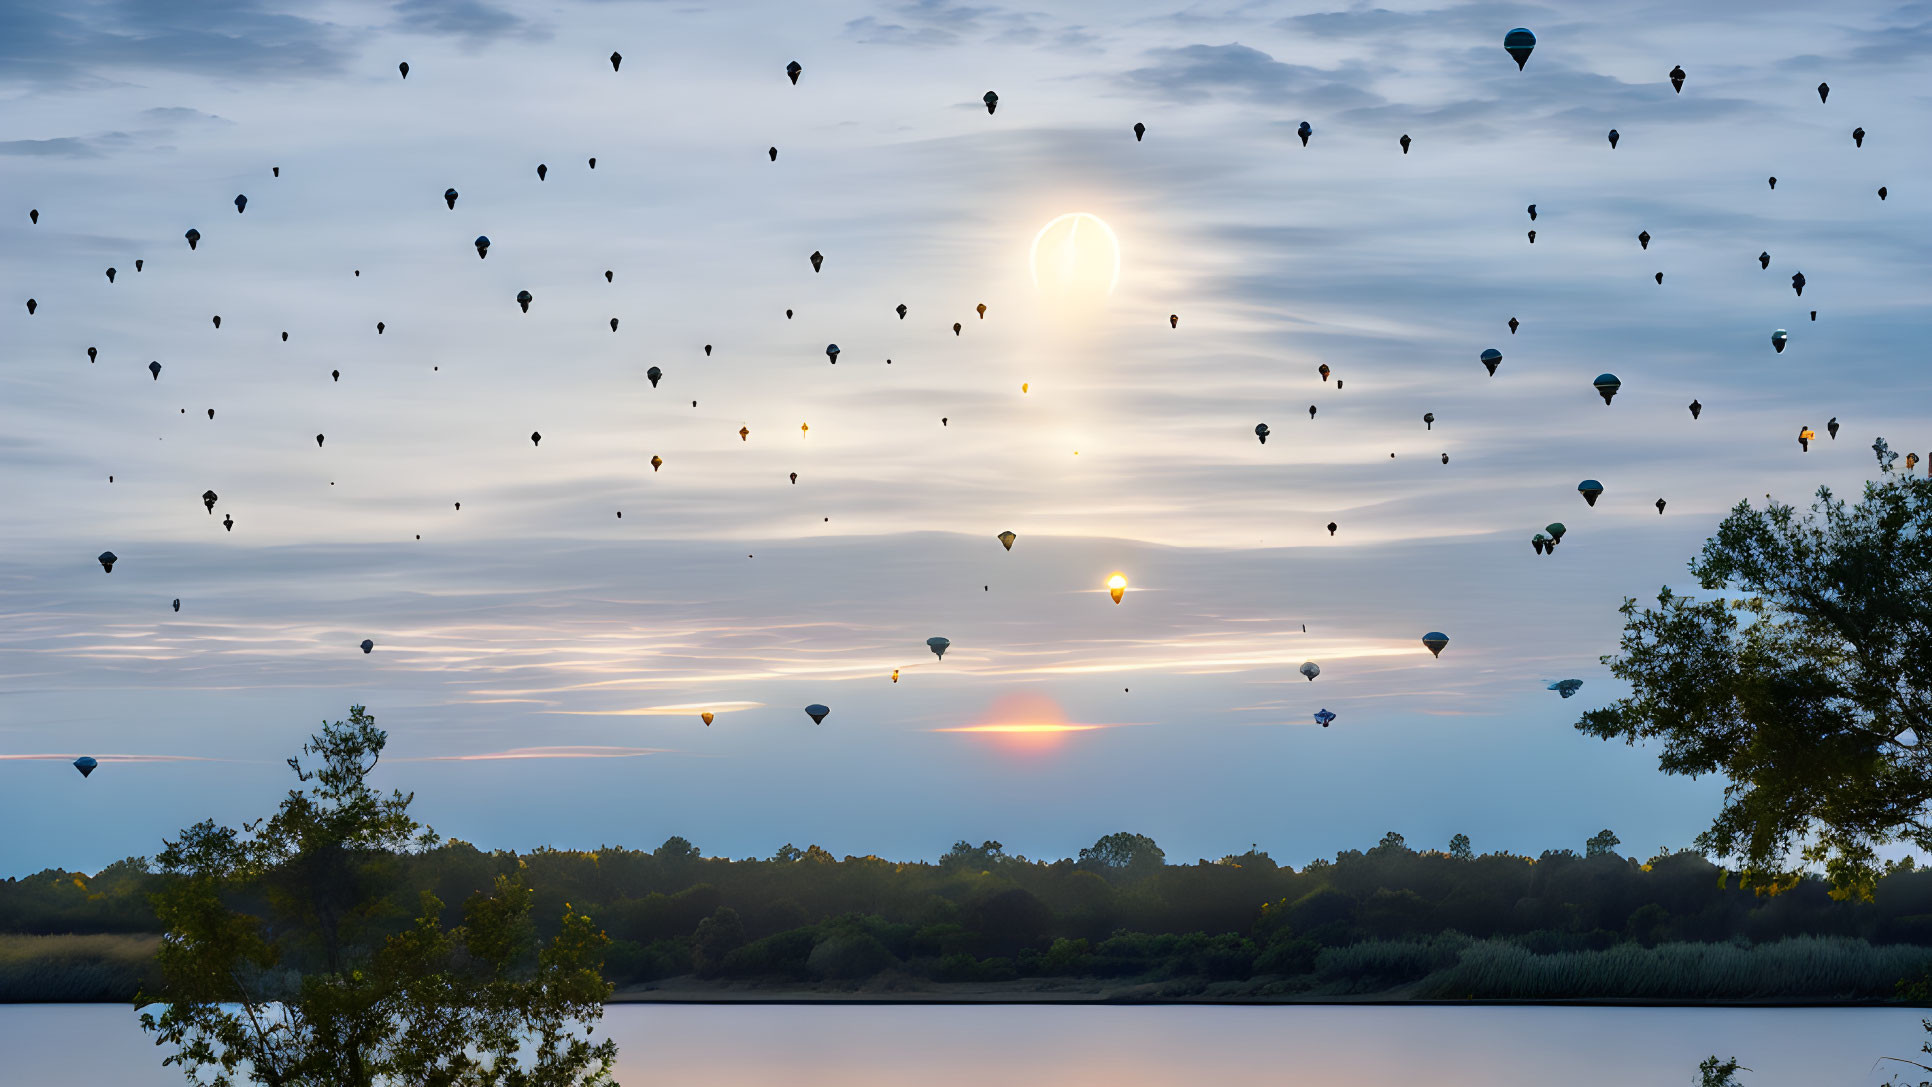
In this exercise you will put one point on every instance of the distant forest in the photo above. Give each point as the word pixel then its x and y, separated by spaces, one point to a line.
pixel 1390 921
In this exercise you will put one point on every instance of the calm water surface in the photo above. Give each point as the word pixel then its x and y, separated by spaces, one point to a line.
pixel 953 1046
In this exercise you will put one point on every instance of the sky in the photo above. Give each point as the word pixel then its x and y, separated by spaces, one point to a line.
pixel 540 662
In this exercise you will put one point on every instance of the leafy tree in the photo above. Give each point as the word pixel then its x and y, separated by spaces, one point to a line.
pixel 717 936
pixel 283 965
pixel 1391 843
pixel 676 850
pixel 1601 844
pixel 1715 1073
pixel 1123 855
pixel 1459 848
pixel 1806 690
pixel 966 855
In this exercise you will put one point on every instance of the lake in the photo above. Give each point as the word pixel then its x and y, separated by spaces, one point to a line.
pixel 1098 1046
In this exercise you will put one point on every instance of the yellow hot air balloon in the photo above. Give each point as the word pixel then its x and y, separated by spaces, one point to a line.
pixel 1023 386
pixel 707 718
pixel 895 675
pixel 804 428
pixel 1117 586
pixel 656 463
pixel 1006 540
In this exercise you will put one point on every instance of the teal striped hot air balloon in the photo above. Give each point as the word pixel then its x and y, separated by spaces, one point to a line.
pixel 1435 640
pixel 1520 42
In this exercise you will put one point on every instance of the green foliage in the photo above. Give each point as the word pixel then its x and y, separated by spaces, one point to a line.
pixel 1715 1073
pixel 1459 848
pixel 1124 856
pixel 1804 967
pixel 57 969
pixel 284 960
pixel 1601 844
pixel 1804 689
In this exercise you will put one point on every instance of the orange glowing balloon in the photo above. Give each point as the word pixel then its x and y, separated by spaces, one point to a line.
pixel 1117 587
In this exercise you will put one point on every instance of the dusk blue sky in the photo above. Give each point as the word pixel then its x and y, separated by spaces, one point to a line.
pixel 535 622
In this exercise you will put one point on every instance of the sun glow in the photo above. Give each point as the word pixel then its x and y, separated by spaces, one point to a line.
pixel 1075 255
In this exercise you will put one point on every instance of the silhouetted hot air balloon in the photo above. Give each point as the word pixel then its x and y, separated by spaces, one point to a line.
pixel 1173 320
pixel 1310 669
pixel 1660 507
pixel 1858 137
pixel 1590 489
pixel 1519 43
pixel 1565 687
pixel 1614 137
pixel 955 328
pixel 1773 182
pixel 818 259
pixel 155 369
pixel 335 375
pixel 817 712
pixel 543 171
pixel 1798 283
pixel 33 305
pixel 1643 239
pixel 1513 325
pixel 536 438
pixel 209 498
pixel 1428 420
pixel 1435 640
pixel 85 764
pixel 992 101
pixel 1778 339
pixel 744 434
pixel 1677 79
pixel 107 559
pixel 654 374
pixel 367 645
pixel 1139 131
pixel 33 216
pixel 1556 529
pixel 1805 434
pixel 901 311
pixel 228 521
pixel 524 298
pixel 1332 526
pixel 193 236
pixel 1660 279
pixel 1445 458
pixel 1117 586
pixel 1532 212
pixel 613 324
pixel 794 479
pixel 832 352
pixel 1492 358
pixel 1537 541
pixel 982 310
pixel 774 153
pixel 137 267
pixel 1304 130
pixel 707 350
pixel 1824 91
pixel 1261 431
pixel 1404 141
pixel 404 69
pixel 482 247
pixel 177 603
pixel 1696 409
pixel 1607 386
pixel 1831 428
pixel 1881 192
pixel 217 320
pixel 318 441
pixel 1311 411
pixel 110 275
pixel 1323 370
pixel 793 69
pixel 241 204
pixel 656 463
pixel 1006 540
pixel 1764 259
pixel 938 646
pixel 616 59
pixel 91 354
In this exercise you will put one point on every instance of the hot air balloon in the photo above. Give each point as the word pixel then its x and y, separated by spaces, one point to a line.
pixel 982 310
pixel 901 311
pixel 404 69
pixel 616 59
pixel 1261 431
pixel 792 70
pixel 1116 587
pixel 1607 386
pixel 654 374
pixel 1798 283
pixel 33 305
pixel 110 275
pixel 1881 192
pixel 1304 130
pixel 217 320
pixel 1492 358
pixel 241 204
pixel 1435 640
pixel 1139 131
pixel 1323 370
pixel 1643 239
pixel 1858 137
pixel 707 354
pixel 955 328
pixel 1696 409
pixel 1614 137
pixel 543 171
pixel 1173 320
pixel 1831 428
pixel 1590 489
pixel 992 101
pixel 177 603
pixel 335 375
pixel 107 559
pixel 832 352
pixel 1805 434
pixel 1404 141
pixel 818 259
pixel 1824 91
pixel 1677 79
pixel 1556 529
pixel 1778 339
pixel 1310 669
pixel 1532 212
pixel 1764 260
pixel 1537 541
pixel 1332 526
pixel 208 499
pixel 228 522
pixel 744 434
pixel 536 438
pixel 1323 717
pixel 1565 687
pixel 137 265
pixel 524 298
pixel 656 463
pixel 1311 411
pixel 85 764
pixel 794 479
pixel 33 216
pixel 938 646
pixel 367 645
pixel 91 354
pixel 1006 540
pixel 1519 43
pixel 193 236
pixel 380 326
pixel 1445 458
pixel 817 712
pixel 483 247
pixel 1513 325
pixel 1773 182
pixel 155 369
pixel 1428 420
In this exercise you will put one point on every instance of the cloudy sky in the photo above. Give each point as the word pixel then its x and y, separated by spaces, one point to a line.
pixel 540 662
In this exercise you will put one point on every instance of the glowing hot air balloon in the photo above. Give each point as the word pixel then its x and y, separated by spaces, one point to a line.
pixel 1116 586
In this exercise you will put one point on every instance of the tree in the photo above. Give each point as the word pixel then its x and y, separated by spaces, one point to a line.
pixel 676 850
pixel 1601 844
pixel 1804 688
pixel 1459 848
pixel 1391 843
pixel 1124 856
pixel 283 961
pixel 964 854
pixel 1715 1073
pixel 717 936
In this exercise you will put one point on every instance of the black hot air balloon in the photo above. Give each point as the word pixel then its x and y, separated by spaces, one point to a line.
pixel 524 298
pixel 793 69
pixel 1643 239
pixel 177 603
pixel 1173 320
pixel 654 374
pixel 992 101
pixel 1519 42
pixel 241 204
pixel 1607 386
pixel 1858 137
pixel 1139 131
pixel 1696 409
pixel 1404 141
pixel 33 305
pixel 1660 507
pixel 404 69
pixel 1304 130
pixel 901 311
pixel 91 354
pixel 817 712
pixel 155 369
pixel 1831 428
pixel 449 197
pixel 367 645
pixel 1824 91
pixel 1772 181
pixel 818 260
pixel 1261 431
pixel 318 441
pixel 1332 526
pixel 1614 137
pixel 85 764
pixel 107 559
pixel 1513 325
pixel 536 438
pixel 1764 259
pixel 616 59
pixel 1677 79
pixel 110 275
pixel 228 522
pixel 1428 420
pixel 832 353
pixel 774 153
pixel 1532 237
pixel 1532 212
pixel 1798 283
pixel 1492 358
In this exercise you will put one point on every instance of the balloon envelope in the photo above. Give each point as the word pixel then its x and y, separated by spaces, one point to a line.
pixel 817 712
pixel 85 764
pixel 1435 640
